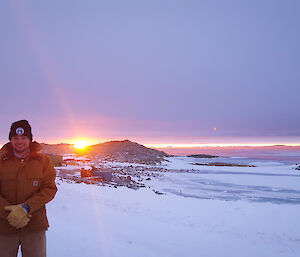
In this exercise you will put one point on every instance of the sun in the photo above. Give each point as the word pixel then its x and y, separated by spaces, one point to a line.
pixel 80 144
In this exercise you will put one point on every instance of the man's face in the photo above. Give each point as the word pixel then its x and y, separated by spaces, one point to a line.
pixel 20 143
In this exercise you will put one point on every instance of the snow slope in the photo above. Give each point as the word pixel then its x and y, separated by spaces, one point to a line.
pixel 88 220
pixel 91 220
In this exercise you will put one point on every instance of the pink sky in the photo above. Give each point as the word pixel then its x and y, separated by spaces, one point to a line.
pixel 154 72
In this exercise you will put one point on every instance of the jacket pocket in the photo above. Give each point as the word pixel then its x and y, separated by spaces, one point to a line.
pixel 33 181
pixel 8 185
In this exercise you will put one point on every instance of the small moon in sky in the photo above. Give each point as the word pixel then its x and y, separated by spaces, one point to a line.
pixel 215 128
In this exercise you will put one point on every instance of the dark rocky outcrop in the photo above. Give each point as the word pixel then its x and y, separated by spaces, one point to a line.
pixel 223 164
pixel 202 156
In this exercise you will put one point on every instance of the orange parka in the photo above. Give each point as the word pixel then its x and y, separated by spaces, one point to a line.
pixel 31 181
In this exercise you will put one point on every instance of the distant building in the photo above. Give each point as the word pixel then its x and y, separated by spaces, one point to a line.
pixel 73 159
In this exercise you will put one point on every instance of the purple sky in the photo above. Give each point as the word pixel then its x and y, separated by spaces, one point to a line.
pixel 161 71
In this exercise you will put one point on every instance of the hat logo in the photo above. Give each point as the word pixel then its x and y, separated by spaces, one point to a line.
pixel 19 131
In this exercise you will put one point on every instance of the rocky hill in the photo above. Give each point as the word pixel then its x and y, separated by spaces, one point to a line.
pixel 122 151
pixel 126 151
pixel 57 149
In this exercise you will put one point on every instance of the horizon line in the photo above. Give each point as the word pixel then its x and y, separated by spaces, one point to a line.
pixel 189 145
pixel 217 145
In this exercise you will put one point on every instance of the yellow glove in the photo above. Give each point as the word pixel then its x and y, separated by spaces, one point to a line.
pixel 17 218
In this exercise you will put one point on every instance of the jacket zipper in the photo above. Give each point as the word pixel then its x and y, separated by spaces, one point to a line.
pixel 19 183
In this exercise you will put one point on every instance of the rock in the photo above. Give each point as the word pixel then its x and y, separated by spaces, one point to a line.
pixel 202 156
pixel 223 164
pixel 157 192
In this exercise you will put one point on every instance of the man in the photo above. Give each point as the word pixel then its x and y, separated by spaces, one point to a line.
pixel 27 183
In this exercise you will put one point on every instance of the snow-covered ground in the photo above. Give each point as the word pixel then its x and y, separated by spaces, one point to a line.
pixel 208 211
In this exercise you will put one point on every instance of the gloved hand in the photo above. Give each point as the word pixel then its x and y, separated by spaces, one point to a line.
pixel 17 218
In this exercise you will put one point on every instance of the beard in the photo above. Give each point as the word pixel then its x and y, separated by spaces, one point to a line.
pixel 22 152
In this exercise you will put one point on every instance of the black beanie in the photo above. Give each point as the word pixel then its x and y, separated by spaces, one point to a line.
pixel 22 128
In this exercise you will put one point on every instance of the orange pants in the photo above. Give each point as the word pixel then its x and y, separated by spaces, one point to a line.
pixel 32 245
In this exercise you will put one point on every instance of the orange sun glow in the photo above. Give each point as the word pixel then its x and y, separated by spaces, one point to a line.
pixel 80 144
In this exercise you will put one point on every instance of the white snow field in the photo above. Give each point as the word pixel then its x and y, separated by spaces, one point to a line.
pixel 207 212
